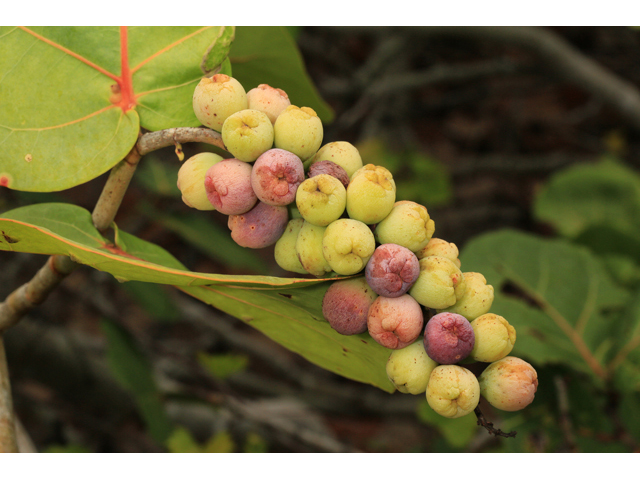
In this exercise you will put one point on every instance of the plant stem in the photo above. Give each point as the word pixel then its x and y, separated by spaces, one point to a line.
pixel 8 442
pixel 163 138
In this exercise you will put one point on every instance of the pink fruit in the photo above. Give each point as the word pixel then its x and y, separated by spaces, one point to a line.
pixel 448 338
pixel 260 227
pixel 395 322
pixel 392 270
pixel 228 187
pixel 346 304
pixel 276 175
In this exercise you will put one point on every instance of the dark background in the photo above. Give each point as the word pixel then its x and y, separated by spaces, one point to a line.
pixel 494 119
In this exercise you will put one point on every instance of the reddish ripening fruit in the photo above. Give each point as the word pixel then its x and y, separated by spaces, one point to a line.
pixel 395 322
pixel 448 338
pixel 269 100
pixel 346 304
pixel 260 227
pixel 276 175
pixel 228 187
pixel 392 270
pixel 327 167
pixel 509 384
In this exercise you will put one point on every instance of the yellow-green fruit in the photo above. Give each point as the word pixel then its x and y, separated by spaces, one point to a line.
pixel 216 98
pixel 285 249
pixel 321 199
pixel 247 134
pixel 509 384
pixel 440 248
pixel 440 283
pixel 453 391
pixel 309 249
pixel 494 338
pixel 477 298
pixel 299 131
pixel 191 180
pixel 409 368
pixel 340 153
pixel 347 245
pixel 371 194
pixel 408 225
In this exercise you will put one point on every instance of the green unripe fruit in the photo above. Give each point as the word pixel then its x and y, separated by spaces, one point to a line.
pixel 371 194
pixel 495 338
pixel 247 134
pixel 409 368
pixel 347 246
pixel 269 100
pixel 440 284
pixel 408 225
pixel 453 391
pixel 440 248
pixel 284 251
pixel 216 98
pixel 321 199
pixel 477 298
pixel 191 180
pixel 340 153
pixel 298 130
pixel 509 384
pixel 309 249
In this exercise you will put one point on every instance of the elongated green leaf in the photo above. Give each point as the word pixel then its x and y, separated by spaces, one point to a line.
pixel 74 98
pixel 134 372
pixel 593 195
pixel 270 55
pixel 279 307
pixel 554 293
pixel 65 229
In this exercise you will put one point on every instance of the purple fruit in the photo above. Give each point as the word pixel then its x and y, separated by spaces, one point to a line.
pixel 276 175
pixel 260 227
pixel 392 270
pixel 228 187
pixel 346 304
pixel 329 168
pixel 448 338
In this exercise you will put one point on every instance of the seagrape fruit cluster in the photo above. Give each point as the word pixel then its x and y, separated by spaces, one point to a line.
pixel 327 212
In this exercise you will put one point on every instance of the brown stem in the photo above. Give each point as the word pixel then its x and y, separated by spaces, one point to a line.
pixel 152 141
pixel 114 190
pixel 35 291
pixel 8 442
pixel 483 422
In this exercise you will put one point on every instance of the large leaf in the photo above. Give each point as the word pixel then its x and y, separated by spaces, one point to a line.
pixel 606 193
pixel 270 55
pixel 554 293
pixel 279 307
pixel 74 98
pixel 134 372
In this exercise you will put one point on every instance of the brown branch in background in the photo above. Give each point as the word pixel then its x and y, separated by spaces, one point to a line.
pixel 8 442
pixel 35 291
pixel 562 58
pixel 565 418
pixel 483 422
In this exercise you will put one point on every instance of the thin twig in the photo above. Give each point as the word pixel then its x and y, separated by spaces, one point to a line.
pixel 565 418
pixel 8 441
pixel 483 422
pixel 561 58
